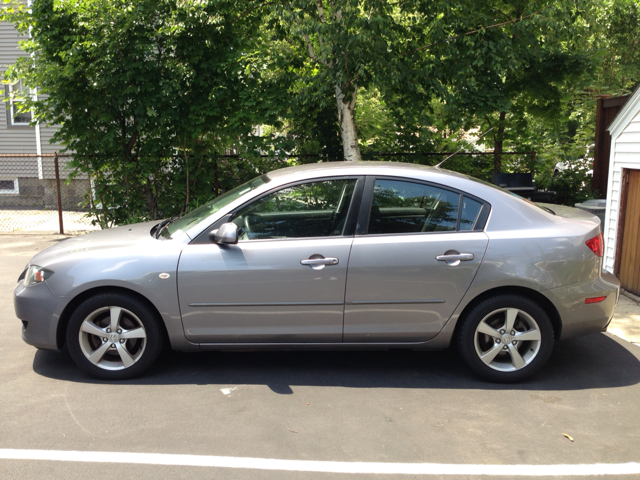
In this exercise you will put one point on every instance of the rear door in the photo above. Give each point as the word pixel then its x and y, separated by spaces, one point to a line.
pixel 412 260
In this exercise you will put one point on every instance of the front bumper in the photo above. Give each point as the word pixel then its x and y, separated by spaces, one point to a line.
pixel 579 318
pixel 38 309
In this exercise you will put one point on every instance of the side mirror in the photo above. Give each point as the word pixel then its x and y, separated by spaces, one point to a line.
pixel 227 234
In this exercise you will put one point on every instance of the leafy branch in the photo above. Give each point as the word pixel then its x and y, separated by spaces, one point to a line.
pixel 481 29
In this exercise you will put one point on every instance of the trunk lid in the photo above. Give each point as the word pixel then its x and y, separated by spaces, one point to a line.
pixel 570 212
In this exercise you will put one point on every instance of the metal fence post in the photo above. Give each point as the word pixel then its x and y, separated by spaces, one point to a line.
pixel 55 164
pixel 533 161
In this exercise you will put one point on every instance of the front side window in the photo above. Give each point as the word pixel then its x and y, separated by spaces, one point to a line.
pixel 16 93
pixel 407 207
pixel 316 209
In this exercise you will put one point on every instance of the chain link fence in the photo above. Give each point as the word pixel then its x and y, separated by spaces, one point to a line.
pixel 36 195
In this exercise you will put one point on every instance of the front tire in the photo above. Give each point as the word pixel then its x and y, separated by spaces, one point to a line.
pixel 506 338
pixel 114 336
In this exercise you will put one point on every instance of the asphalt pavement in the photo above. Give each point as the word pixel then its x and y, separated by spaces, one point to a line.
pixel 315 412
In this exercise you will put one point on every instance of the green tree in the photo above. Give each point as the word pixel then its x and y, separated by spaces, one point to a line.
pixel 480 59
pixel 143 90
pixel 516 68
pixel 344 40
pixel 547 102
pixel 608 34
pixel 617 37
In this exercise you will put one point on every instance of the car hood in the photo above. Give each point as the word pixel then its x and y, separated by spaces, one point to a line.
pixel 135 235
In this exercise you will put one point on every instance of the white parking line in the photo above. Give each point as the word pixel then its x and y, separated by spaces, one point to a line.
pixel 323 466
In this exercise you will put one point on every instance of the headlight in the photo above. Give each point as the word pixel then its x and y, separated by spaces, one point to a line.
pixel 36 274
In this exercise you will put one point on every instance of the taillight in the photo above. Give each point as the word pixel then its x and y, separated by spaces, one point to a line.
pixel 594 300
pixel 596 244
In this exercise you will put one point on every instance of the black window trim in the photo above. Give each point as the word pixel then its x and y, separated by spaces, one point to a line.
pixel 367 201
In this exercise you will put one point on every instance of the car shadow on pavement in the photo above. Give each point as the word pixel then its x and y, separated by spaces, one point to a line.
pixel 595 361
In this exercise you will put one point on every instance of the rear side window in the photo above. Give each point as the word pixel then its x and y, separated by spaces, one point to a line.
pixel 406 207
pixel 470 213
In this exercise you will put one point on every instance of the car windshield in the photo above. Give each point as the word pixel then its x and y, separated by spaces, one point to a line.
pixel 195 216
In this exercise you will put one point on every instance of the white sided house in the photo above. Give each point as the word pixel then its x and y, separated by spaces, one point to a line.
pixel 621 228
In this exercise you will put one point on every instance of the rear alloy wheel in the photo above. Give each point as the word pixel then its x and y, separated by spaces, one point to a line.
pixel 506 338
pixel 114 336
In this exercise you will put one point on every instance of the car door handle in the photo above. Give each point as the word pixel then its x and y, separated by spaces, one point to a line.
pixel 452 257
pixel 314 262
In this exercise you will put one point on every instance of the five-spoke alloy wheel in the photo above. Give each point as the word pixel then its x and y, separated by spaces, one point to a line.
pixel 114 336
pixel 506 338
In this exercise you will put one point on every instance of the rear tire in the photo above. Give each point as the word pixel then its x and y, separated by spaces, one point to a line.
pixel 506 338
pixel 114 336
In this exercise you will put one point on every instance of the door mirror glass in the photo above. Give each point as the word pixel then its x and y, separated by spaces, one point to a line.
pixel 226 234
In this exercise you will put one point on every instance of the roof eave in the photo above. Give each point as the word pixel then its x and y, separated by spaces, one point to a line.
pixel 625 115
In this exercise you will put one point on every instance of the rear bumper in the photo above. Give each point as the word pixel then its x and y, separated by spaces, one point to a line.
pixel 579 318
pixel 36 306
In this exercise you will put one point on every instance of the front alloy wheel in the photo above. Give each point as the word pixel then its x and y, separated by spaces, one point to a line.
pixel 114 336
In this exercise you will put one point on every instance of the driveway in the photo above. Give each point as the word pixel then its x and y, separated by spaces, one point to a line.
pixel 263 414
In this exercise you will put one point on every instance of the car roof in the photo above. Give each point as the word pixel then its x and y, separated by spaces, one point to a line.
pixel 362 168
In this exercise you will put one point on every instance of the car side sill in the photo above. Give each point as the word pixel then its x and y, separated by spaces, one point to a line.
pixel 321 346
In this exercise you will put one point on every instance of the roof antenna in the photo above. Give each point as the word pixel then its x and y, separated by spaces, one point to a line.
pixel 438 165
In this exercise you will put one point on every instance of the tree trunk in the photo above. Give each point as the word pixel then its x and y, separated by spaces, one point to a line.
pixel 152 201
pixel 497 149
pixel 348 131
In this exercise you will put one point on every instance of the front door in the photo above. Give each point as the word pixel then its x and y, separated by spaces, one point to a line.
pixel 285 279
pixel 411 267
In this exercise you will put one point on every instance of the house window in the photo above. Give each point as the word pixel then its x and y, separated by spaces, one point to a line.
pixel 14 93
pixel 9 187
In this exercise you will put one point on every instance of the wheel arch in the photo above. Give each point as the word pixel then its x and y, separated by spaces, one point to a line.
pixel 534 295
pixel 65 316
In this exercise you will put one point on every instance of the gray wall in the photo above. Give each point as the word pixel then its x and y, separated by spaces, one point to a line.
pixel 18 139
pixel 42 194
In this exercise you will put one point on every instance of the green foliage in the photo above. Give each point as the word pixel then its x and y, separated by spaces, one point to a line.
pixel 152 95
pixel 122 203
pixel 425 72
pixel 573 185
pixel 142 90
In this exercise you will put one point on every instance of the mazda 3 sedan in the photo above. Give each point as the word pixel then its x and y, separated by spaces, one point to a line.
pixel 331 255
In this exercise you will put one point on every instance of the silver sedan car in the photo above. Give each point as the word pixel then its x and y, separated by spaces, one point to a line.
pixel 330 255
